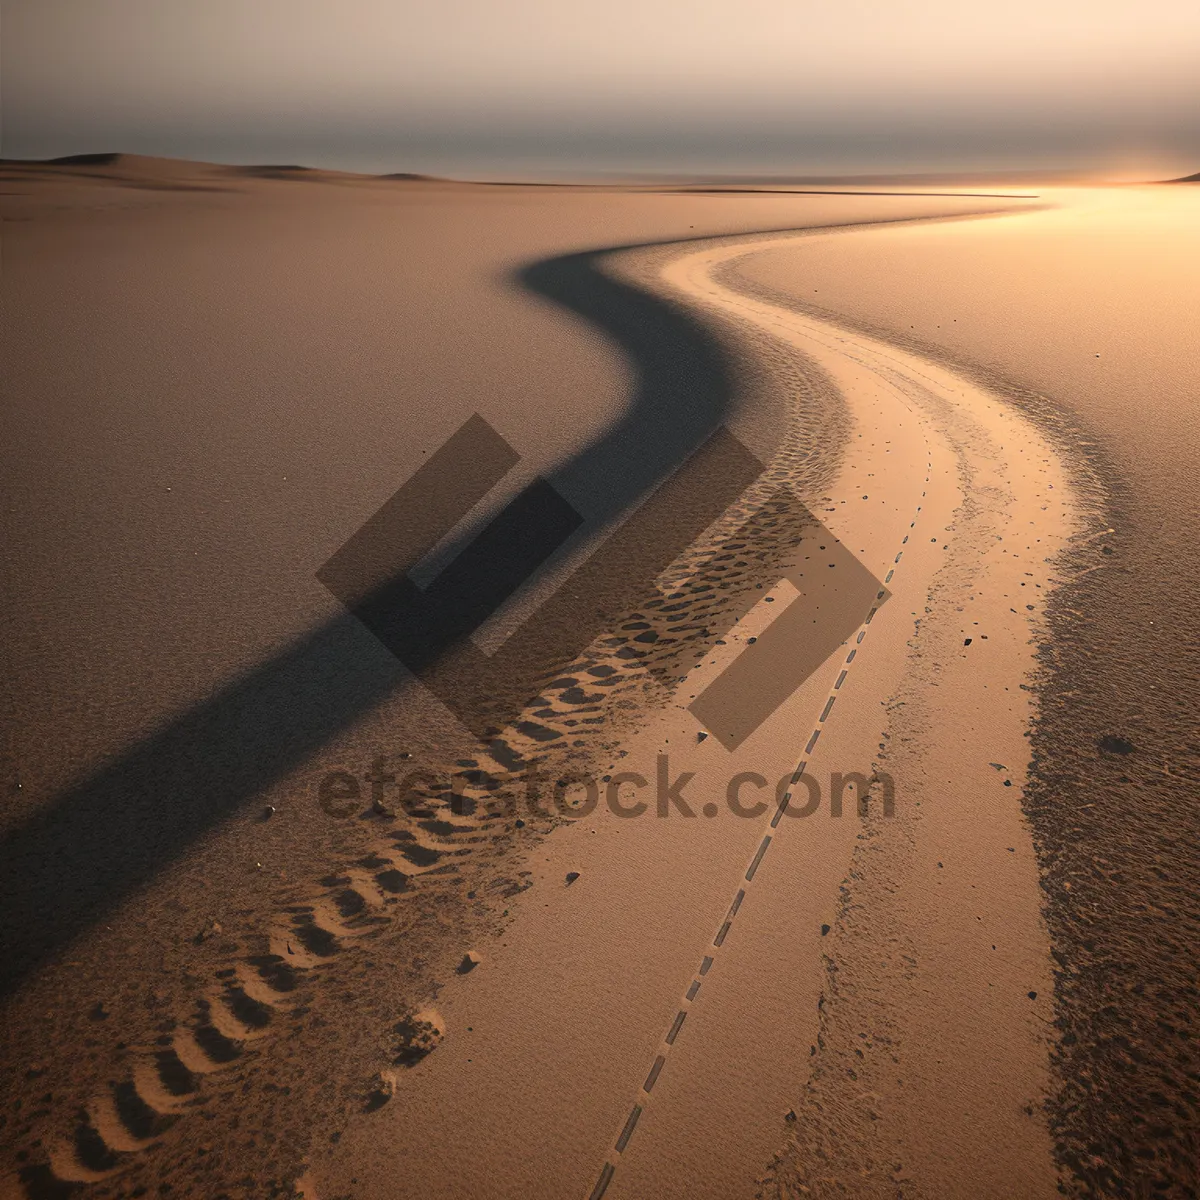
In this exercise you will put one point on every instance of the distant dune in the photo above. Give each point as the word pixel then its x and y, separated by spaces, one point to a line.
pixel 178 174
pixel 87 160
pixel 146 170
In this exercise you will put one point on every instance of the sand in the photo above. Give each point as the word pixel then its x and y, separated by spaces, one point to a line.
pixel 219 378
pixel 959 1044
pixel 1116 775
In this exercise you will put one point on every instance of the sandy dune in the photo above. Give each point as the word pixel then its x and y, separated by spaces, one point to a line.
pixel 1116 769
pixel 245 370
pixel 638 975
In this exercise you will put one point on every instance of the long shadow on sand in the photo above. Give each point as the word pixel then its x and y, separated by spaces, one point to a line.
pixel 104 839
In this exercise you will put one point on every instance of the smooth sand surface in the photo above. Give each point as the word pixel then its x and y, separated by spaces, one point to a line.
pixel 218 376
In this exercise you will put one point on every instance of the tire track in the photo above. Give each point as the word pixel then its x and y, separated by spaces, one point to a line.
pixel 922 394
pixel 243 1012
pixel 570 726
pixel 712 954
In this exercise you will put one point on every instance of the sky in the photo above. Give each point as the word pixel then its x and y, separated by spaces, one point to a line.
pixel 509 87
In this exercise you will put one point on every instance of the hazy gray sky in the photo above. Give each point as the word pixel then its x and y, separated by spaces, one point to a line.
pixel 760 85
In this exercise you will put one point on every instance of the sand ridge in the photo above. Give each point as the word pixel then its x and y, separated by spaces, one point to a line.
pixel 1112 791
pixel 331 925
pixel 942 413
pixel 983 484
pixel 420 859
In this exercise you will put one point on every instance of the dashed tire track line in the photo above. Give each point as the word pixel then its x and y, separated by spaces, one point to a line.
pixel 709 959
pixel 719 938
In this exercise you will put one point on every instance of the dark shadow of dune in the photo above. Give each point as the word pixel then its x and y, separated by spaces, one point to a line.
pixel 271 171
pixel 104 839
pixel 65 868
pixel 108 159
pixel 684 390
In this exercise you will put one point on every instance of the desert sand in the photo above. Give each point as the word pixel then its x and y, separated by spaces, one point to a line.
pixel 216 981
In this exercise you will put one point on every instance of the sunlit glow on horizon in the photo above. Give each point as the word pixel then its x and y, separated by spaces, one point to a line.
pixel 765 84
